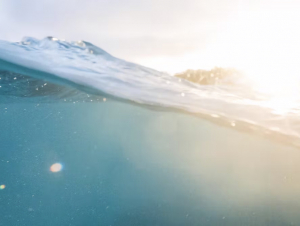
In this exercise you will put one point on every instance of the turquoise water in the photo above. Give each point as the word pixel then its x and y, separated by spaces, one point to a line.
pixel 132 152
pixel 127 165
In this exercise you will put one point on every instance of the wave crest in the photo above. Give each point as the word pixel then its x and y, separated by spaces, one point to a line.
pixel 87 67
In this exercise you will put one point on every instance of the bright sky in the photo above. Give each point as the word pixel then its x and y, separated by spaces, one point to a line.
pixel 258 36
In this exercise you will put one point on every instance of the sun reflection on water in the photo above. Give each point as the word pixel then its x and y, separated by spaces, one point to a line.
pixel 281 93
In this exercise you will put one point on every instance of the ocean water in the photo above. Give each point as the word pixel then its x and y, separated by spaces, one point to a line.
pixel 137 146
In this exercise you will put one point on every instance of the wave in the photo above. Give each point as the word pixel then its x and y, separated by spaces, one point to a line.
pixel 53 67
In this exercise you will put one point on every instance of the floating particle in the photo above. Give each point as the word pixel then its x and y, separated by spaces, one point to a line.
pixel 2 186
pixel 215 116
pixel 56 167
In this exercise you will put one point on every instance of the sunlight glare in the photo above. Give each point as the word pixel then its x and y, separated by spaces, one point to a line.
pixel 265 45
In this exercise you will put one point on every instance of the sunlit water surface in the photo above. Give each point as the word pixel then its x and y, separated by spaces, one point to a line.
pixel 138 150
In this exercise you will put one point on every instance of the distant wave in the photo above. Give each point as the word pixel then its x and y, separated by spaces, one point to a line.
pixel 50 67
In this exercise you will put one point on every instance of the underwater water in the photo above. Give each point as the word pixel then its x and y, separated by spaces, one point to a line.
pixel 136 146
